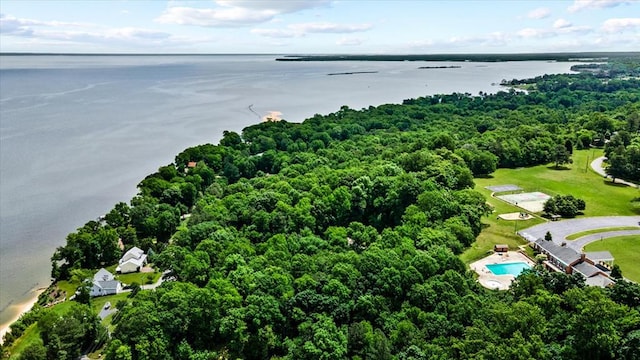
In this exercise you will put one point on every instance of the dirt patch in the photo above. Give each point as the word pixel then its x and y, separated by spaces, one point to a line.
pixel 147 269
pixel 515 216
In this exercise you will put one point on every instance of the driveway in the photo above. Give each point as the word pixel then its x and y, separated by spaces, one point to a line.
pixel 156 284
pixel 561 229
pixel 596 165
pixel 106 312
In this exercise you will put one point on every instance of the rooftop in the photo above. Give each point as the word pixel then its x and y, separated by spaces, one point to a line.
pixel 566 255
pixel 587 269
pixel 597 256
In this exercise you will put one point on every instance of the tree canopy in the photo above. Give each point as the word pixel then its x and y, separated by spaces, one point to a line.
pixel 338 237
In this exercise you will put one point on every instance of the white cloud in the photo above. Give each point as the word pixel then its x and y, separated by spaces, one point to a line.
pixel 579 5
pixel 534 33
pixel 222 17
pixel 278 6
pixel 324 27
pixel 11 24
pixel 136 33
pixel 560 27
pixel 55 31
pixel 620 25
pixel 234 13
pixel 349 41
pixel 276 33
pixel 561 24
pixel 539 13
pixel 302 29
pixel 495 39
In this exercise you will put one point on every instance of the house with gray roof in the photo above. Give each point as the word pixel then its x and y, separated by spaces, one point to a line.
pixel 594 266
pixel 104 283
pixel 561 258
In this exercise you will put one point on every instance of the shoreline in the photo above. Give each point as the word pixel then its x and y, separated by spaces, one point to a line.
pixel 24 303
pixel 22 308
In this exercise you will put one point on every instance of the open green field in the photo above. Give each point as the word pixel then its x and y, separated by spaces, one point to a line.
pixel 140 278
pixel 602 198
pixel 625 250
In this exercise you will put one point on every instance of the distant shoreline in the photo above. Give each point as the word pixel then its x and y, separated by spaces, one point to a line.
pixel 441 67
pixel 564 57
pixel 353 73
pixel 589 56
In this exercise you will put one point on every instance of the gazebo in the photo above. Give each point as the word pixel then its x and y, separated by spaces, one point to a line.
pixel 501 248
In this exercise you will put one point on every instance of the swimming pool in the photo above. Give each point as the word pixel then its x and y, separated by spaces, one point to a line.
pixel 512 268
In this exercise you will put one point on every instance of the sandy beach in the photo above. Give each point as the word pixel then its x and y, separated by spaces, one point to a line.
pixel 272 116
pixel 18 309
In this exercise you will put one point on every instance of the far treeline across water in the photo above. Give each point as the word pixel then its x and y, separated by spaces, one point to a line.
pixel 338 238
pixel 582 56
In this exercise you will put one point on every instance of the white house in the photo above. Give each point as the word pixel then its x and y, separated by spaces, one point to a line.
pixel 132 261
pixel 104 283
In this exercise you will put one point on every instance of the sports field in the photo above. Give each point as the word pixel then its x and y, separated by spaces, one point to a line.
pixel 531 201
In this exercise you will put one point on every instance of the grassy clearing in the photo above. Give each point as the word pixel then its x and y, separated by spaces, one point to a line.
pixel 140 278
pixel 597 231
pixel 601 197
pixel 97 303
pixel 68 287
pixel 31 336
pixel 625 250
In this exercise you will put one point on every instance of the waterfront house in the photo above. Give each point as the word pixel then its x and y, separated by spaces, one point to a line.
pixel 104 283
pixel 132 261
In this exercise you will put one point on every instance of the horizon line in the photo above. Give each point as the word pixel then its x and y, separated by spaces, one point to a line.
pixel 312 54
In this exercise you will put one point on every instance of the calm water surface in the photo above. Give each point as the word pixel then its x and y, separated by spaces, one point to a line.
pixel 77 133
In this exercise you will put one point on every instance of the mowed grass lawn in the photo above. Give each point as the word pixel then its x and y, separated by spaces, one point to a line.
pixel 625 250
pixel 602 198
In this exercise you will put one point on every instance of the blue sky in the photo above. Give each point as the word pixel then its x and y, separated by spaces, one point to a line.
pixel 319 26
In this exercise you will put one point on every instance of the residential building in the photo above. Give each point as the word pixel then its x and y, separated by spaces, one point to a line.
pixel 104 283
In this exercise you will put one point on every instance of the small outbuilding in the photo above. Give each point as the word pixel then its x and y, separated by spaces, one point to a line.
pixel 500 248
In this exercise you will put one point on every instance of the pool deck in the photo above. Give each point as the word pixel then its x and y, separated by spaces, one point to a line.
pixel 497 282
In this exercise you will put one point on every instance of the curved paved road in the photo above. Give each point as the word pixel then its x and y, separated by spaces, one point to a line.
pixel 596 165
pixel 561 229
pixel 581 242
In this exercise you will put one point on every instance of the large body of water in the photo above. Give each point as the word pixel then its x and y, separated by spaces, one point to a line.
pixel 77 133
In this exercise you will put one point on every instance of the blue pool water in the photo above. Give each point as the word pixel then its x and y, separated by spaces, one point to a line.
pixel 514 268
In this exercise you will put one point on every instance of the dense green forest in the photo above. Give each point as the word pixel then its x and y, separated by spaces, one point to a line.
pixel 338 238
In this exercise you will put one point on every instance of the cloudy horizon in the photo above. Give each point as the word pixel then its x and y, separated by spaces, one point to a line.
pixel 319 26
